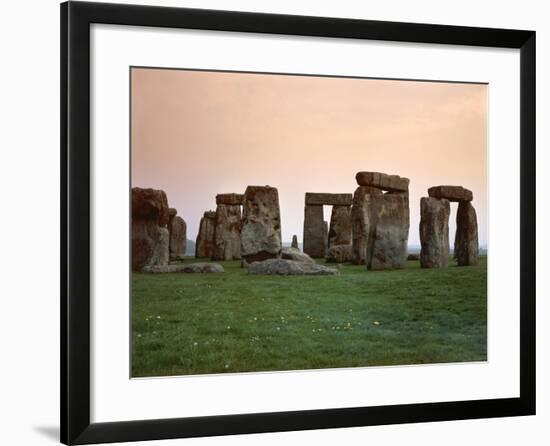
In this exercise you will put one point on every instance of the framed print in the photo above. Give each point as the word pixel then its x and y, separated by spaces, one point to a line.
pixel 276 222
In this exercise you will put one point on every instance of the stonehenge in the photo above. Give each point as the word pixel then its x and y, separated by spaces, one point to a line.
pixel 434 227
pixel 380 221
pixel 227 227
pixel 204 245
pixel 369 227
pixel 261 224
pixel 317 237
pixel 177 229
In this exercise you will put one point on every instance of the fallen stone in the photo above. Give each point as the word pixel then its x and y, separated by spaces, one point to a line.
pixel 339 254
pixel 204 245
pixel 392 183
pixel 340 226
pixel 294 242
pixel 434 232
pixel 261 227
pixel 451 193
pixel 413 257
pixel 296 254
pixel 284 267
pixel 200 267
pixel 466 249
pixel 231 199
pixel 318 198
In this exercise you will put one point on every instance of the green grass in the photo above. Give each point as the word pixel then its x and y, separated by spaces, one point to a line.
pixel 231 322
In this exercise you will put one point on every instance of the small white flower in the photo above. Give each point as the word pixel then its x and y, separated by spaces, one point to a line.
pixel 195 344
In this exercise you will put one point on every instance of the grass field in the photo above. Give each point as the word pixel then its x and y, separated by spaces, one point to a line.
pixel 231 322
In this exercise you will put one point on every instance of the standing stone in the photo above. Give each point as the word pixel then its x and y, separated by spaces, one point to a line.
pixel 227 232
pixel 389 245
pixel 314 231
pixel 340 226
pixel 261 225
pixel 363 223
pixel 434 232
pixel 178 236
pixel 204 246
pixel 294 242
pixel 150 236
pixel 466 241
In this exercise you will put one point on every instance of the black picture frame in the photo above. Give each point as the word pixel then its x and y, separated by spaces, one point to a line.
pixel 76 18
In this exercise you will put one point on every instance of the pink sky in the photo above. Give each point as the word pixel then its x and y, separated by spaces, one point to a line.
pixel 196 134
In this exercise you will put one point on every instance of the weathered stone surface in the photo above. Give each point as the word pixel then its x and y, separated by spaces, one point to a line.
pixel 340 226
pixel 285 267
pixel 261 227
pixel 363 222
pixel 413 257
pixel 339 254
pixel 178 237
pixel 232 199
pixel 150 236
pixel 227 232
pixel 319 198
pixel 200 267
pixel 434 232
pixel 149 244
pixel 172 212
pixel 392 183
pixel 389 245
pixel 315 236
pixel 204 246
pixel 466 239
pixel 295 254
pixel 451 193
pixel 294 241
pixel 150 204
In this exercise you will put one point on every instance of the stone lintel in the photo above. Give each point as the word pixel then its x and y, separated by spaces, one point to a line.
pixel 392 183
pixel 319 199
pixel 231 199
pixel 451 193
